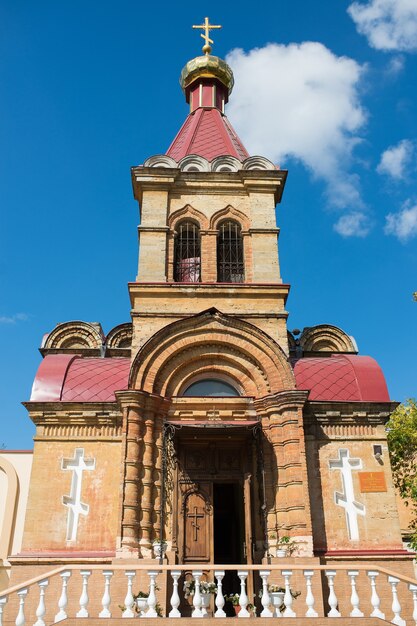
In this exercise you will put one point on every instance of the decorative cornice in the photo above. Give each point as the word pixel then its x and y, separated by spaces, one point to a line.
pixel 280 401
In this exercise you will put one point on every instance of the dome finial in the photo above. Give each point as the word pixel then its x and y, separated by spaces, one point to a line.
pixel 207 27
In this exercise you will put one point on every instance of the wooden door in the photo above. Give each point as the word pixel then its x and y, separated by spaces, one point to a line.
pixel 197 524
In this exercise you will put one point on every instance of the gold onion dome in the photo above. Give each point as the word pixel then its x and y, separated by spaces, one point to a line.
pixel 207 66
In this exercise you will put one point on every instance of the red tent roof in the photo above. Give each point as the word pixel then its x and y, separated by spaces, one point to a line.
pixel 339 378
pixel 208 133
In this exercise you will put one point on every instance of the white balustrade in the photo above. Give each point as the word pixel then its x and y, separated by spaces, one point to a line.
pixel 309 594
pixel 243 598
pixel 175 598
pixel 396 606
pixel 152 612
pixel 288 597
pixel 269 602
pixel 63 600
pixel 129 599
pixel 413 589
pixel 20 619
pixel 265 599
pixel 332 599
pixel 41 610
pixel 354 598
pixel 219 575
pixel 84 599
pixel 106 599
pixel 375 600
pixel 197 601
pixel 3 602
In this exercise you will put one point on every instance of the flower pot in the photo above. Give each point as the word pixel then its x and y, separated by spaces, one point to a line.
pixel 159 549
pixel 141 605
pixel 237 608
pixel 281 553
pixel 277 600
pixel 205 603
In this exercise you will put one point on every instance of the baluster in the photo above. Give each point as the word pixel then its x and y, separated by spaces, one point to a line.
pixel 354 598
pixel 265 600
pixel 151 612
pixel 288 597
pixel 63 600
pixel 20 619
pixel 197 574
pixel 332 599
pixel 219 574
pixel 41 610
pixel 175 598
pixel 3 602
pixel 396 606
pixel 243 598
pixel 413 589
pixel 83 612
pixel 375 601
pixel 106 599
pixel 309 595
pixel 129 599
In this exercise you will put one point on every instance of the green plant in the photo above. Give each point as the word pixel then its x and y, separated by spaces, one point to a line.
pixel 233 598
pixel 402 444
pixel 286 543
pixel 205 587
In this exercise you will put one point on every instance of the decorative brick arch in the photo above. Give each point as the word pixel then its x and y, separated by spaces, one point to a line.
pixel 326 338
pixel 211 342
pixel 73 335
pixel 231 213
pixel 188 212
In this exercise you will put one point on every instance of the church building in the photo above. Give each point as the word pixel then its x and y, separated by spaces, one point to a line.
pixel 203 432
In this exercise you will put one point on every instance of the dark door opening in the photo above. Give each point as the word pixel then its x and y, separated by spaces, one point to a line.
pixel 229 533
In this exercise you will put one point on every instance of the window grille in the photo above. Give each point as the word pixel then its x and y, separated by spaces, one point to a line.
pixel 187 253
pixel 230 264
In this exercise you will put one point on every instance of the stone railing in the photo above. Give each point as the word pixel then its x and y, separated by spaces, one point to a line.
pixel 78 591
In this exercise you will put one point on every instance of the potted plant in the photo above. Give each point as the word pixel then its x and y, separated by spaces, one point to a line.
pixel 277 594
pixel 233 598
pixel 206 590
pixel 286 546
pixel 141 603
pixel 159 547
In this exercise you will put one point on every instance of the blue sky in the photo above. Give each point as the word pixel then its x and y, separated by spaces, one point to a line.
pixel 88 89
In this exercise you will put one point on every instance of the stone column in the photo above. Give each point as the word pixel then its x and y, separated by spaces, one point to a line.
pixel 132 407
pixel 208 256
pixel 285 467
pixel 247 255
pixel 139 411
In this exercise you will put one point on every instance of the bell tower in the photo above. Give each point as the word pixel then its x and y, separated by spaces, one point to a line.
pixel 208 234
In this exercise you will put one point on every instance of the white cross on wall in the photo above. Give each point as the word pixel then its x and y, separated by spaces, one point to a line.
pixel 346 500
pixel 77 465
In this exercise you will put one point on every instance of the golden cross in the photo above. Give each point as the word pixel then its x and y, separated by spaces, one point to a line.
pixel 207 27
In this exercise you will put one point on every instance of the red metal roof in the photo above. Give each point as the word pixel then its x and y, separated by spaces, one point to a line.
pixel 79 379
pixel 208 133
pixel 342 378
pixel 339 378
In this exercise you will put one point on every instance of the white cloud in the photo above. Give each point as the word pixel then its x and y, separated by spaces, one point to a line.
pixel 387 24
pixel 354 224
pixel 395 160
pixel 13 319
pixel 301 101
pixel 395 65
pixel 403 224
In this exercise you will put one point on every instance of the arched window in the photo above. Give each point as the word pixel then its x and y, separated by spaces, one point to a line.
pixel 187 253
pixel 230 264
pixel 210 387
